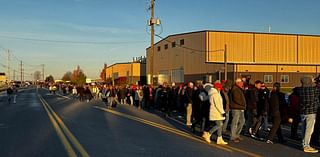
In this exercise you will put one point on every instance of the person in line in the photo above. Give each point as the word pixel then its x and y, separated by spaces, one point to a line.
pixel 188 103
pixel 262 111
pixel 105 94
pixel 216 114
pixel 294 113
pixel 205 108
pixel 309 104
pixel 74 92
pixel 252 96
pixel 87 94
pixel 275 105
pixel 238 106
pixel 139 97
pixel 14 93
pixel 196 106
pixel 122 93
pixel 226 105
pixel 10 94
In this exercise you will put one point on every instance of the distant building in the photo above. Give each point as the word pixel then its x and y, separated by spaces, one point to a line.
pixel 3 77
pixel 270 57
pixel 127 73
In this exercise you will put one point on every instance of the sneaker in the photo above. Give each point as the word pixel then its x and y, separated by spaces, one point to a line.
pixel 310 150
pixel 269 142
pixel 206 136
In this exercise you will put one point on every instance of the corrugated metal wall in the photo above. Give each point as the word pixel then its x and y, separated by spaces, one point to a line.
pixel 275 49
pixel 309 50
pixel 264 48
pixel 239 47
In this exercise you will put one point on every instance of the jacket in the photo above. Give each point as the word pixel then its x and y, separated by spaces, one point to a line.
pixel 237 99
pixel 216 105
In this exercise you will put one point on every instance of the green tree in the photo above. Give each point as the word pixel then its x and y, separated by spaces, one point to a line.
pixel 50 79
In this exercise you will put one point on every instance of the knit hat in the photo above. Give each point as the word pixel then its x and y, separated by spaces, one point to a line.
pixel 207 86
pixel 218 85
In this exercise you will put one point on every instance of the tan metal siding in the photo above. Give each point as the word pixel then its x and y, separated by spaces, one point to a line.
pixel 275 48
pixel 309 50
pixel 302 69
pixel 239 47
pixel 256 68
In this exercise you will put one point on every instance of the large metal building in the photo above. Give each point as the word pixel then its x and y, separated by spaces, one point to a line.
pixel 127 73
pixel 270 57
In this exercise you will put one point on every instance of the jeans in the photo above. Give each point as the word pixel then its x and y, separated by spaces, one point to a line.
pixel 276 128
pixel 252 119
pixel 237 123
pixel 189 114
pixel 226 121
pixel 217 127
pixel 308 122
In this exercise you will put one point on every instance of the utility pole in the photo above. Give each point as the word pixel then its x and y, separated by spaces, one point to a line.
pixel 152 41
pixel 21 72
pixel 43 72
pixel 225 63
pixel 14 75
pixel 8 66
pixel 152 22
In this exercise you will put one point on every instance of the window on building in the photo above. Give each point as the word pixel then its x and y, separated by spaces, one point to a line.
pixel 166 46
pixel 284 78
pixel 173 44
pixel 268 79
pixel 182 42
pixel 159 48
pixel 177 76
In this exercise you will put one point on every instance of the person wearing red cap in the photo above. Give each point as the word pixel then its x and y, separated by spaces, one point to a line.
pixel 216 114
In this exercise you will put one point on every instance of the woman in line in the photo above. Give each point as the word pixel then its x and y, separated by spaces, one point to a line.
pixel 216 114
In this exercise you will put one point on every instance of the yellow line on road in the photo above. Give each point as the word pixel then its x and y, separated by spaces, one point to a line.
pixel 176 131
pixel 162 127
pixel 59 132
pixel 67 132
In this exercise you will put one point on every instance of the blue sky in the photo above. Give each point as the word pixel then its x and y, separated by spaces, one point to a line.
pixel 121 27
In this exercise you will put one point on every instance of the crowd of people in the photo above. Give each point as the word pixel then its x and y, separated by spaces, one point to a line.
pixel 223 107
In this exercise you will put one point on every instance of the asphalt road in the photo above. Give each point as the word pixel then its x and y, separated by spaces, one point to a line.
pixel 45 125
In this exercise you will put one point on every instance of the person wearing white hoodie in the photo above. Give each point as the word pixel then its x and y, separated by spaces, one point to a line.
pixel 216 114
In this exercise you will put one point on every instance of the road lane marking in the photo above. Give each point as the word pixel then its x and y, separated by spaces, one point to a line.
pixel 59 132
pixel 67 132
pixel 176 131
pixel 63 96
pixel 166 128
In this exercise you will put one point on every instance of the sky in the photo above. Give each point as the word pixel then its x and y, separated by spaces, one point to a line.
pixel 90 33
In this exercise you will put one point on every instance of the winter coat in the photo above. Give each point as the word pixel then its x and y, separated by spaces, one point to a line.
pixel 237 99
pixel 216 105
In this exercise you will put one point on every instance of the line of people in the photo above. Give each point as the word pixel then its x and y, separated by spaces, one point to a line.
pixel 239 107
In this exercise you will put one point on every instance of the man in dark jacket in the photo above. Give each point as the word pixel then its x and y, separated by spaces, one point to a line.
pixel 309 104
pixel 237 105
pixel 252 99
pixel 9 94
pixel 276 101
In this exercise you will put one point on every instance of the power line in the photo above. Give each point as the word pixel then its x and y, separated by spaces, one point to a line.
pixel 70 42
